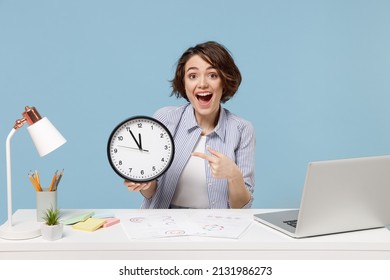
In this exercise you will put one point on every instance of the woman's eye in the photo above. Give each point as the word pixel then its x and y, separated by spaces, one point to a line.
pixel 213 75
pixel 192 76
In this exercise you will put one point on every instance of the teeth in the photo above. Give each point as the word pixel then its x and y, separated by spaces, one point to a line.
pixel 204 93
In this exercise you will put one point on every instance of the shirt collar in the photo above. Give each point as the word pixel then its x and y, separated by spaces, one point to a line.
pixel 189 118
pixel 191 124
pixel 220 129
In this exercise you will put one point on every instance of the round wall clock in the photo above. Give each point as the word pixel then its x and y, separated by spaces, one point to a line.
pixel 140 149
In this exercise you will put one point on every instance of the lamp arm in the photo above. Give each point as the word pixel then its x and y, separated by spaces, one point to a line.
pixel 9 182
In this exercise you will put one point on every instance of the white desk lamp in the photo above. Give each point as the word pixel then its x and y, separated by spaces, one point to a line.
pixel 46 139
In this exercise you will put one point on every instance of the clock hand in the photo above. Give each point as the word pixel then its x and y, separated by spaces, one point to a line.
pixel 127 147
pixel 140 143
pixel 139 139
pixel 135 140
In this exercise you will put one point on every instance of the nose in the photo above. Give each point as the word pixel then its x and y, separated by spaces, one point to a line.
pixel 203 82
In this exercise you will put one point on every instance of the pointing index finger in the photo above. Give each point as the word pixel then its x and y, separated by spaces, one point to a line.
pixel 201 155
pixel 214 152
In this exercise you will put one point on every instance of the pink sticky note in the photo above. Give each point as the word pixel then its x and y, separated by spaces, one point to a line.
pixel 110 222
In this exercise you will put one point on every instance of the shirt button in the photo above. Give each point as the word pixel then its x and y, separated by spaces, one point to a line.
pixel 209 184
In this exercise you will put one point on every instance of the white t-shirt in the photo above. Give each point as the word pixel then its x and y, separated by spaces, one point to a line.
pixel 191 190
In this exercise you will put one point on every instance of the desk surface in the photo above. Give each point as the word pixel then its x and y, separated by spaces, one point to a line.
pixel 258 242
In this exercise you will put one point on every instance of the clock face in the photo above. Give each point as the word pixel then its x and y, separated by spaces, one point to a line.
pixel 140 149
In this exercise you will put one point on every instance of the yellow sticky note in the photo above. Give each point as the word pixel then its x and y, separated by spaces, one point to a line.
pixel 90 224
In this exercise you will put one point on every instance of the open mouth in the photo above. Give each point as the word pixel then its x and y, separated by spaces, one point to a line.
pixel 204 97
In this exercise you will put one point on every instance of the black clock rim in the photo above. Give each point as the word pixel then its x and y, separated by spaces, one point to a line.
pixel 129 178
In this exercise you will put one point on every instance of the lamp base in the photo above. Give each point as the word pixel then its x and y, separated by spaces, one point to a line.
pixel 25 230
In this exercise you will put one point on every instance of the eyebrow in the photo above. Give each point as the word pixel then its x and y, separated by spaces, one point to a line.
pixel 196 68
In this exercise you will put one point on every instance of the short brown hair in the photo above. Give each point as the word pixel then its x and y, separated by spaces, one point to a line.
pixel 218 57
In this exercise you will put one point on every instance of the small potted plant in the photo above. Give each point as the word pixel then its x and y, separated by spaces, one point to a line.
pixel 52 229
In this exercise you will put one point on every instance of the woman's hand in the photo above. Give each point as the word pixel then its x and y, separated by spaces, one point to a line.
pixel 147 189
pixel 221 166
pixel 136 187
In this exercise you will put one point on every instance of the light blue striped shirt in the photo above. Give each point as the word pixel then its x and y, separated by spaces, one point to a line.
pixel 233 136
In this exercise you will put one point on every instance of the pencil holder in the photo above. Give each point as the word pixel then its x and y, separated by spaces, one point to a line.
pixel 45 200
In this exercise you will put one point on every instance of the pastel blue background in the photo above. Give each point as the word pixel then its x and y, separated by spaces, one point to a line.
pixel 315 84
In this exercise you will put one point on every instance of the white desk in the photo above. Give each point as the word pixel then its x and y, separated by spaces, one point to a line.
pixel 259 242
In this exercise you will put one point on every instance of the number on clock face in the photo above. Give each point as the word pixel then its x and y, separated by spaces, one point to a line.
pixel 140 149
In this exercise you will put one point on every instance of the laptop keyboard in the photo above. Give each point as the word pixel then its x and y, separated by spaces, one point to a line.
pixel 292 223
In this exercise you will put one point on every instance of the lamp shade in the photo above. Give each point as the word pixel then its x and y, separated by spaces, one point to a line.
pixel 45 136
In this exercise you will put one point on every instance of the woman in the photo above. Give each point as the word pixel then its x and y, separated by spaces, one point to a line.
pixel 214 149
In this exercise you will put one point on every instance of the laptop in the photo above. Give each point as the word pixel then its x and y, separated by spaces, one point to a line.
pixel 338 196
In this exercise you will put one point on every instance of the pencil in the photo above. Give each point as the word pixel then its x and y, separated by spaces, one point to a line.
pixel 37 181
pixel 34 183
pixel 37 176
pixel 58 179
pixel 53 181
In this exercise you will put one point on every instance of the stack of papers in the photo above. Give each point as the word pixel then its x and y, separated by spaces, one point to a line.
pixel 150 224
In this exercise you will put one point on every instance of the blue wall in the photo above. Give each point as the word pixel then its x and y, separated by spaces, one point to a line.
pixel 316 84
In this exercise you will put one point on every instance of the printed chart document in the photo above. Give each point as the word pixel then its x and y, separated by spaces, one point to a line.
pixel 154 225
pixel 221 224
pixel 165 223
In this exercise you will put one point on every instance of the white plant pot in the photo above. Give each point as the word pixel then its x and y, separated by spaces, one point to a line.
pixel 51 232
